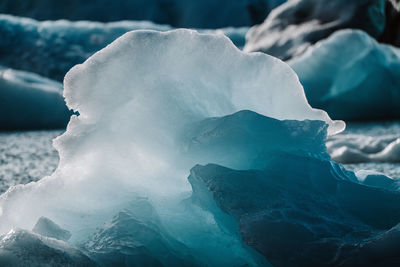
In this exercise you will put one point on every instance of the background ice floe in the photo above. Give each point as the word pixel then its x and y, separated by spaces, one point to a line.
pixel 178 13
pixel 363 148
pixel 351 76
pixel 51 48
pixel 336 49
pixel 292 27
pixel 368 146
pixel 29 101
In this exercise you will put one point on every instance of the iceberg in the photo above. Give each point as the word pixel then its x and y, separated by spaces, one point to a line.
pixel 351 76
pixel 178 13
pixel 29 101
pixel 150 106
pixel 51 48
pixel 291 28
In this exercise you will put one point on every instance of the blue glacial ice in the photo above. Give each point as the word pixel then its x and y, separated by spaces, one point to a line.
pixel 152 105
pixel 351 76
pixel 178 13
pixel 29 101
pixel 51 48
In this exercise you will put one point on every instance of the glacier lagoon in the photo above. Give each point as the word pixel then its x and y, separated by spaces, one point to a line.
pixel 132 180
